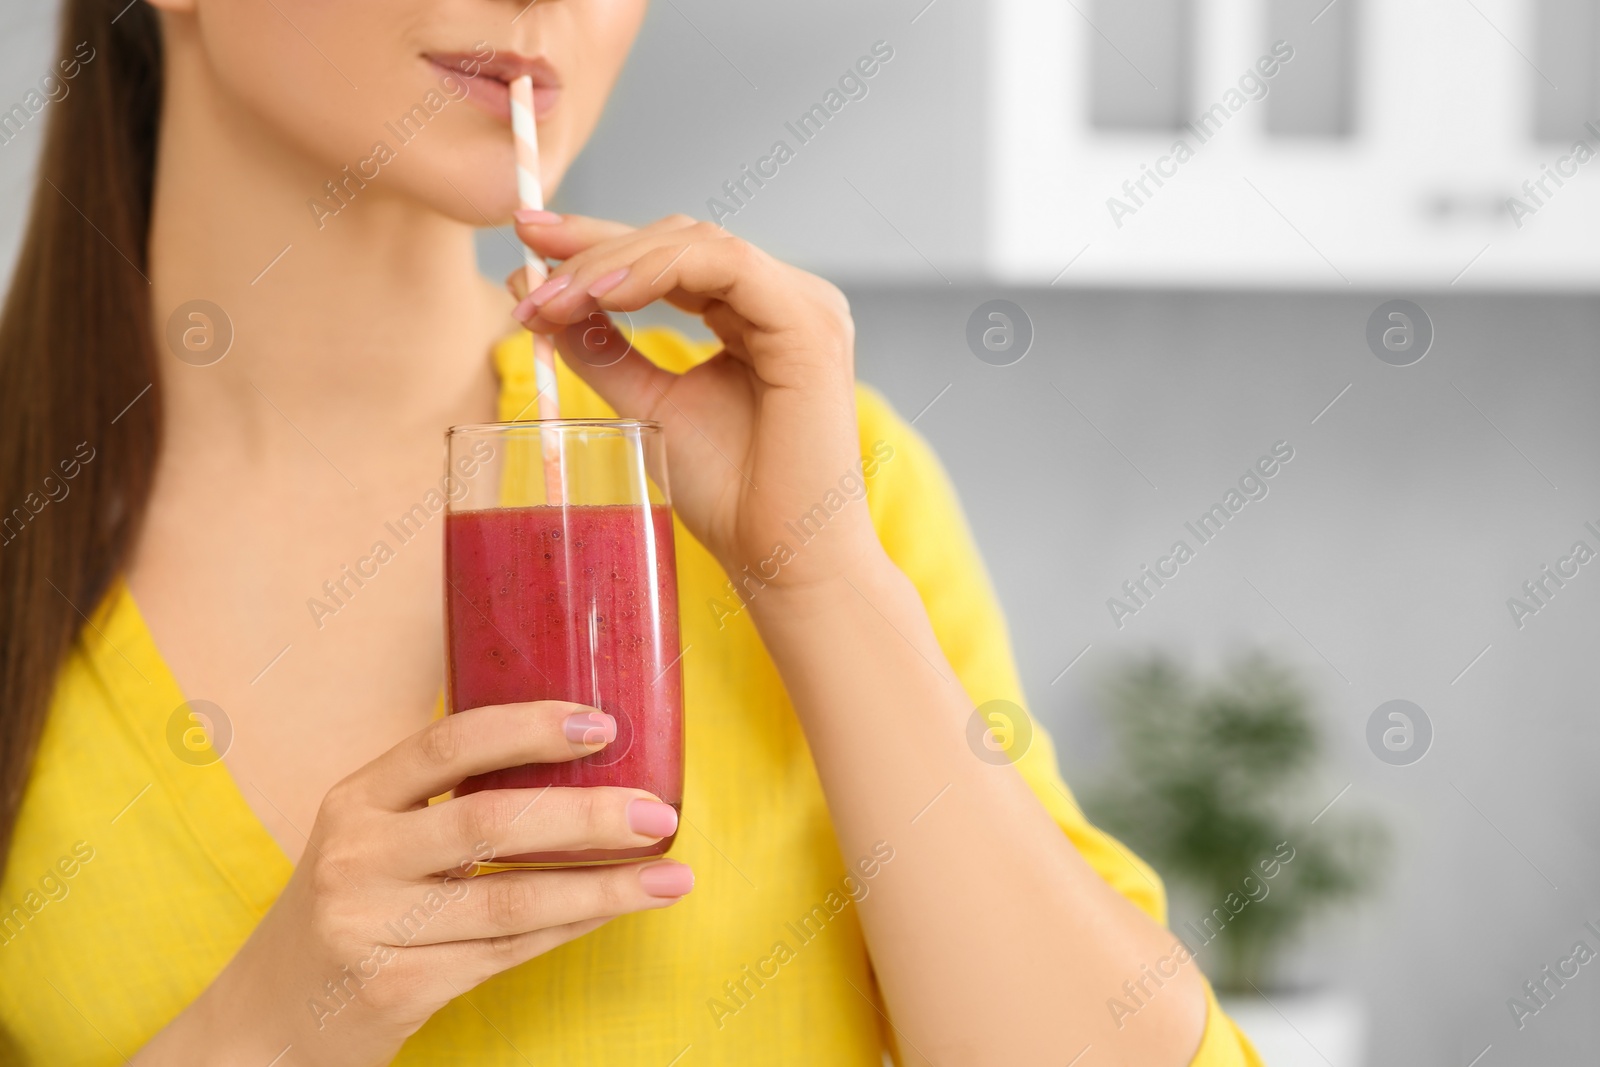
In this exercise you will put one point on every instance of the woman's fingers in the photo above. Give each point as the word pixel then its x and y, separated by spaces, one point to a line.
pixel 691 267
pixel 450 968
pixel 517 903
pixel 568 237
pixel 574 238
pixel 489 957
pixel 513 822
pixel 555 236
pixel 597 352
pixel 439 756
pixel 697 266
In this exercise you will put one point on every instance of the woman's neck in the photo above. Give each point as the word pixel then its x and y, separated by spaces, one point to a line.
pixel 376 314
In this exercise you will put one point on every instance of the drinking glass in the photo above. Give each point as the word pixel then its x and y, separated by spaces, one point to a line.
pixel 561 584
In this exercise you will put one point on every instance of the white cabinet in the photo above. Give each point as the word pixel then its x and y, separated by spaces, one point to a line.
pixel 1444 104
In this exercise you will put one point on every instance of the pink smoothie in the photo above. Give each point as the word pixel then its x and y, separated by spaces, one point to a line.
pixel 572 603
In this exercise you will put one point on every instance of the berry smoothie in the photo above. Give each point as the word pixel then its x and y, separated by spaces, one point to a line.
pixel 572 603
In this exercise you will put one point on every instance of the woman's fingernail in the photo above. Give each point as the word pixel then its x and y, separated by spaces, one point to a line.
pixel 607 282
pixel 666 879
pixel 535 217
pixel 524 309
pixel 590 728
pixel 652 818
pixel 549 289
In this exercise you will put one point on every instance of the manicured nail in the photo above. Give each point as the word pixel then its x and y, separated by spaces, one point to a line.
pixel 549 289
pixel 524 309
pixel 652 818
pixel 607 282
pixel 590 728
pixel 666 879
pixel 534 217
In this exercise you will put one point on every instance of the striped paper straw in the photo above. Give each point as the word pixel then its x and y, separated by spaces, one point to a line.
pixel 525 134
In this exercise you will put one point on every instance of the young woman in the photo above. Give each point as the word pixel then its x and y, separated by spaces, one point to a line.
pixel 850 877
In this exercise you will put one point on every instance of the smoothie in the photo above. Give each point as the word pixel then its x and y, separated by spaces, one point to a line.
pixel 572 603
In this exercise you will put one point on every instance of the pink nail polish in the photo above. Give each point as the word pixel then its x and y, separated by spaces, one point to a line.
pixel 652 818
pixel 607 282
pixel 534 217
pixel 549 289
pixel 666 879
pixel 524 309
pixel 590 728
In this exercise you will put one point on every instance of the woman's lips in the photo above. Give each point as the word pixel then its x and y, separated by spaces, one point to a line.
pixel 487 81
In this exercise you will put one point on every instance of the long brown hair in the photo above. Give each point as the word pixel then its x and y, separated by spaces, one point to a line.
pixel 77 364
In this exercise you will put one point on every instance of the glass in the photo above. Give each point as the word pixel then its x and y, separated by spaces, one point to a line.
pixel 567 591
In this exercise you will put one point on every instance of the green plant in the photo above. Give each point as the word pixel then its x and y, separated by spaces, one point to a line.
pixel 1208 780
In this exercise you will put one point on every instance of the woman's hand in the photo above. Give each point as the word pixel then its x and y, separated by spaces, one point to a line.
pixel 380 925
pixel 759 435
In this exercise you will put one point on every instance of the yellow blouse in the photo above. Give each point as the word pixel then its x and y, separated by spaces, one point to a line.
pixel 135 876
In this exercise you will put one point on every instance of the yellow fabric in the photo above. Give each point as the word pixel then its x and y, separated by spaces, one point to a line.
pixel 172 870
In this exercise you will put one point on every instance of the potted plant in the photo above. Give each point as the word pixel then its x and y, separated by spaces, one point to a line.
pixel 1215 783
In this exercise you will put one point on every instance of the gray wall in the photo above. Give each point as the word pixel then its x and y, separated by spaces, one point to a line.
pixel 1383 555
pixel 1389 545
pixel 892 185
pixel 27 42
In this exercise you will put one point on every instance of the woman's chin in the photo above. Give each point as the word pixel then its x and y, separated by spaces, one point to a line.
pixel 477 199
pixel 472 179
pixel 477 170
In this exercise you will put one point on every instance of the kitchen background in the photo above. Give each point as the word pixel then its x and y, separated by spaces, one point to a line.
pixel 1163 335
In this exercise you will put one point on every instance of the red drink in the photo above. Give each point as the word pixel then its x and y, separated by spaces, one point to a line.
pixel 579 603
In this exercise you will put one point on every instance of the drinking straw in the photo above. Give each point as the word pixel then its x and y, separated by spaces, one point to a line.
pixel 524 132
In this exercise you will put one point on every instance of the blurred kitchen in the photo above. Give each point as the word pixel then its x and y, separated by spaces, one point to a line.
pixel 1304 285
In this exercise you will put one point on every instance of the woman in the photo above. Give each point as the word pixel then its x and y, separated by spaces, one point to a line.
pixel 175 910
